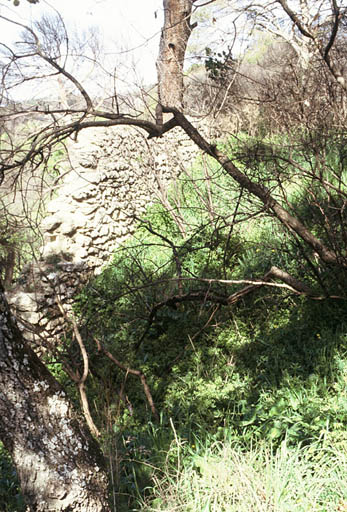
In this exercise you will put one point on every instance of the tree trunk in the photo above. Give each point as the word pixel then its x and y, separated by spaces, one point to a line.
pixel 59 464
pixel 172 49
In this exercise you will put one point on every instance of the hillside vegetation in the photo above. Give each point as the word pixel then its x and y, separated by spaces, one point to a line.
pixel 249 383
pixel 250 388
pixel 216 338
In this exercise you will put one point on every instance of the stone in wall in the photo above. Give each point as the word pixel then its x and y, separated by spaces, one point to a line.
pixel 114 175
pixel 43 287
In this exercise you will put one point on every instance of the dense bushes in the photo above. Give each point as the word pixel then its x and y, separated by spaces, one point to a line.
pixel 270 367
pixel 235 370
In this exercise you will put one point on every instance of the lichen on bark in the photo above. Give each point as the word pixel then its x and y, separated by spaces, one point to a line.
pixel 59 465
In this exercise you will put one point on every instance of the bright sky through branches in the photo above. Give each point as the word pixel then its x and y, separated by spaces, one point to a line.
pixel 130 28
pixel 128 33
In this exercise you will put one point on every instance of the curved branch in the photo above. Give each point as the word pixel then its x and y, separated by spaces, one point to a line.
pixel 47 137
pixel 80 380
pixel 138 373
pixel 334 29
pixel 324 52
pixel 54 64
pixel 295 19
pixel 288 282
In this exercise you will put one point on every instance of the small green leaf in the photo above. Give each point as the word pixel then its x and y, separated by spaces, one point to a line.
pixel 274 433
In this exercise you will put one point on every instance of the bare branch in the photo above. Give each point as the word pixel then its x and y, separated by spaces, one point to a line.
pixel 79 380
pixel 334 30
pixel 53 62
pixel 137 373
pixel 296 19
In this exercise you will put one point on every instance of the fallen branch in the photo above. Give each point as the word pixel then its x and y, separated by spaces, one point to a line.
pixel 288 282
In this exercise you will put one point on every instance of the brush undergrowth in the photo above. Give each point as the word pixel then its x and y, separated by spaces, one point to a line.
pixel 254 403
pixel 252 397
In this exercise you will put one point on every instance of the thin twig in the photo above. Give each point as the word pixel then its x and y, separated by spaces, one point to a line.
pixel 138 373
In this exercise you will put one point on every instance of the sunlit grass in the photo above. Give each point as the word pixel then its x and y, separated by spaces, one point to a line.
pixel 224 478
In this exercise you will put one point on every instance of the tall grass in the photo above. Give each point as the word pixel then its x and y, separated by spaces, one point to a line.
pixel 224 478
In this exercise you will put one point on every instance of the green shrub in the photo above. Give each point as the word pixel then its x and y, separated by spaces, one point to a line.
pixel 269 369
pixel 11 499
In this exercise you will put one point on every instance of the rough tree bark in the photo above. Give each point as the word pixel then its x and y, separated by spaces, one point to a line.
pixel 59 464
pixel 172 49
pixel 7 264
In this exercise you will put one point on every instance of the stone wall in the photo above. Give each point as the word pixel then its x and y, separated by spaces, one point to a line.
pixel 111 177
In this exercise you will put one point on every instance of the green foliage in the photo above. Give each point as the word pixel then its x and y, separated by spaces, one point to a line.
pixel 220 476
pixel 194 240
pixel 217 64
pixel 11 499
pixel 270 369
pixel 252 393
pixel 54 161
